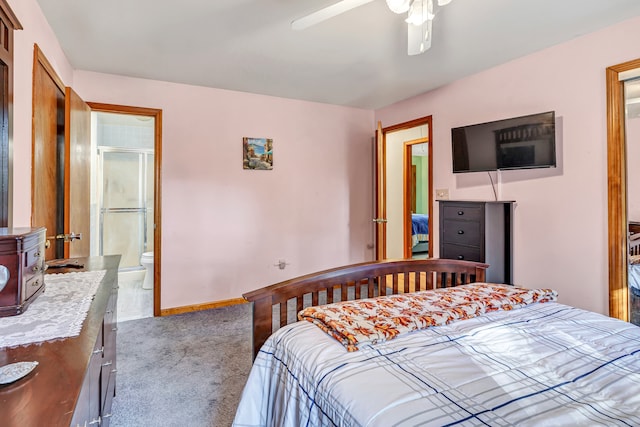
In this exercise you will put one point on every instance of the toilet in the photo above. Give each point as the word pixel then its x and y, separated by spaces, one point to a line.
pixel 147 262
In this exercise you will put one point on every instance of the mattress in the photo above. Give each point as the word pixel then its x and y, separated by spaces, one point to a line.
pixel 543 364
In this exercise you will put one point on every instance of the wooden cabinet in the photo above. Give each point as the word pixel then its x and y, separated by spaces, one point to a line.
pixel 479 231
pixel 21 268
pixel 93 408
pixel 75 381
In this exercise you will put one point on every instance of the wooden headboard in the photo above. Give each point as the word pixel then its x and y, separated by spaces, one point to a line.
pixel 634 244
pixel 356 281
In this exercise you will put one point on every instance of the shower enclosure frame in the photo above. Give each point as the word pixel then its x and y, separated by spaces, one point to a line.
pixel 143 209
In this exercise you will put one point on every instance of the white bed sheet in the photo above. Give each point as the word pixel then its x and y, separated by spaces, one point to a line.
pixel 634 278
pixel 544 364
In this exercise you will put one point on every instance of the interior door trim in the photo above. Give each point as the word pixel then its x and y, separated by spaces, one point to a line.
pixel 426 120
pixel 157 178
pixel 407 196
pixel 380 194
pixel 617 191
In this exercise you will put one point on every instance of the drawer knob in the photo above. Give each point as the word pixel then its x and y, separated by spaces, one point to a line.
pixel 460 231
pixel 460 256
pixel 36 284
pixel 98 351
pixel 460 212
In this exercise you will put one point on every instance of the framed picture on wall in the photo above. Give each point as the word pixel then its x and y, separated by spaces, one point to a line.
pixel 257 153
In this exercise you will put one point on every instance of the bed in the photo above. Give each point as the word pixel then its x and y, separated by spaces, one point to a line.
pixel 523 360
pixel 419 233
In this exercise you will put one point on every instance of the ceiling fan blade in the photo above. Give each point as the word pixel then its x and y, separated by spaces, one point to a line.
pixel 326 13
pixel 418 38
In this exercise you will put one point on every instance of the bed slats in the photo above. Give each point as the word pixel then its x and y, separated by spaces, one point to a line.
pixel 277 305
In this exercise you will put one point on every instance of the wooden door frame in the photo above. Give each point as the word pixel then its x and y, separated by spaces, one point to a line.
pixel 617 191
pixel 10 21
pixel 407 196
pixel 157 182
pixel 381 171
pixel 379 194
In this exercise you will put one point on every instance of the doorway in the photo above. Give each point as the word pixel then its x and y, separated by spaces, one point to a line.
pixel 393 220
pixel 417 187
pixel 125 218
pixel 632 142
pixel 620 227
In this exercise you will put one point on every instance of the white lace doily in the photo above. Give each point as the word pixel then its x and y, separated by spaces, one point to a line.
pixel 57 313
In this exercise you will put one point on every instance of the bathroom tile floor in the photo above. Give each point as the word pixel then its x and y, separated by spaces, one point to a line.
pixel 133 301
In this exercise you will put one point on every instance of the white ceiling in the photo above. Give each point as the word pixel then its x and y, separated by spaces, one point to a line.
pixel 356 59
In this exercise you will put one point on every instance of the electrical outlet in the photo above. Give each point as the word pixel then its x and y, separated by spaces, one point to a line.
pixel 442 194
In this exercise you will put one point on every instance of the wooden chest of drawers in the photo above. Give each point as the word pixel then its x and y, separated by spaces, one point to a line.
pixel 21 268
pixel 75 381
pixel 478 231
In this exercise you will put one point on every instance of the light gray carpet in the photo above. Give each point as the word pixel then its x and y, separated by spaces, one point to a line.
pixel 180 370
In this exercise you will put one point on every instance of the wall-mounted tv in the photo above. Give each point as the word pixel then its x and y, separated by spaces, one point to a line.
pixel 516 143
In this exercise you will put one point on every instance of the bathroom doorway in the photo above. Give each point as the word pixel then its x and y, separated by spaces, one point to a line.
pixel 125 217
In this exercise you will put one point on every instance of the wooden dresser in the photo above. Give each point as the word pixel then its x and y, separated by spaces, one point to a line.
pixel 479 231
pixel 22 268
pixel 75 381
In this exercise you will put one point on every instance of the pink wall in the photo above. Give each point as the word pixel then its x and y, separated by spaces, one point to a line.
pixel 560 230
pixel 35 30
pixel 224 228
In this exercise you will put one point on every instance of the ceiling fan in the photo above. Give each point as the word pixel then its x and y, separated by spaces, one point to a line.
pixel 419 19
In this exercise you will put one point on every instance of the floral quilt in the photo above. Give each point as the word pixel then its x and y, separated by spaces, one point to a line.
pixel 372 320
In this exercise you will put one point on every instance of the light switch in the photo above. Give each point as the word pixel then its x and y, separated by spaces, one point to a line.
pixel 442 194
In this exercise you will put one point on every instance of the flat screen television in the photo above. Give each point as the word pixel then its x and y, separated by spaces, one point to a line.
pixel 517 143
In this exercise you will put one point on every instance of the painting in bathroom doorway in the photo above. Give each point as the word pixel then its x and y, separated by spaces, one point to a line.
pixel 257 153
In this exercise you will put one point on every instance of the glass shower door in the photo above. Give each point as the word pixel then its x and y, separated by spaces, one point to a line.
pixel 123 208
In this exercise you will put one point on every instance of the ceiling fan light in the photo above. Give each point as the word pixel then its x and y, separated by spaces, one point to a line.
pixel 420 12
pixel 399 6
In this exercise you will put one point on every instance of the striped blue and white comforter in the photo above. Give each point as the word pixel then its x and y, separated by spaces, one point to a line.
pixel 541 365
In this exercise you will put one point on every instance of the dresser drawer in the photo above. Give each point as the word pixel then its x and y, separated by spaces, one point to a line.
pixel 466 253
pixel 35 254
pixel 462 232
pixel 467 213
pixel 33 285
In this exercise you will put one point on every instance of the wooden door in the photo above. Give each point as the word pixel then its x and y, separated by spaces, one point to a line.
pixel 380 219
pixel 47 173
pixel 77 175
pixel 60 188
